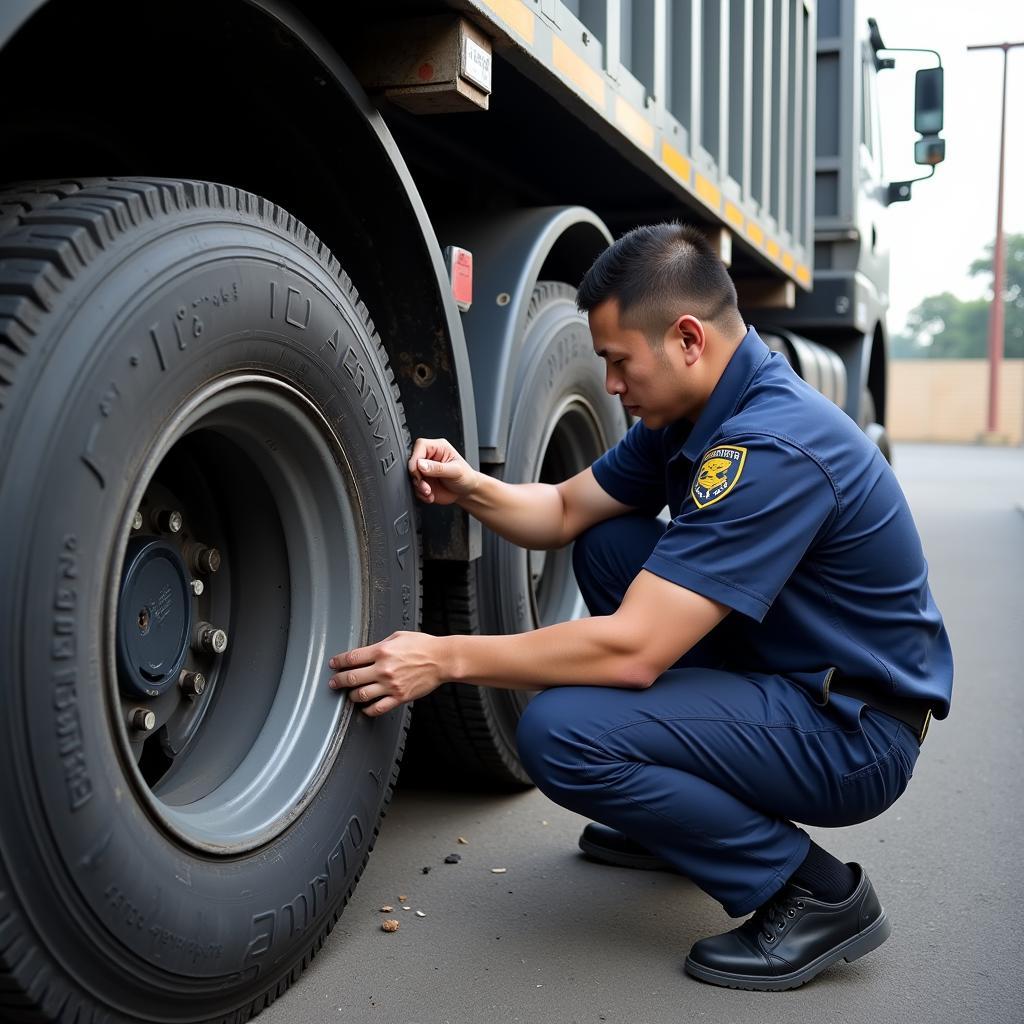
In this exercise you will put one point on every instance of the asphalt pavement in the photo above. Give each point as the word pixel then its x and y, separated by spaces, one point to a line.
pixel 555 939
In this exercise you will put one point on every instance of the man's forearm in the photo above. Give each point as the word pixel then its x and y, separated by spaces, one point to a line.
pixel 530 515
pixel 586 652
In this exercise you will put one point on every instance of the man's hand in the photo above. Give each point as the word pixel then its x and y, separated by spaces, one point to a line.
pixel 390 673
pixel 441 475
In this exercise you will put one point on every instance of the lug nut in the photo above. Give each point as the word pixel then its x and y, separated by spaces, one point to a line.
pixel 142 719
pixel 168 521
pixel 192 683
pixel 206 560
pixel 210 639
pixel 197 587
pixel 137 521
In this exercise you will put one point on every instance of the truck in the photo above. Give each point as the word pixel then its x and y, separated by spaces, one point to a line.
pixel 249 249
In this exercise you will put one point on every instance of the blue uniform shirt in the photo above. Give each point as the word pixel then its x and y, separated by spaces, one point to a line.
pixel 783 510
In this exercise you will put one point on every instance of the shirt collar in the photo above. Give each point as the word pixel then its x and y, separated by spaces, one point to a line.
pixel 731 386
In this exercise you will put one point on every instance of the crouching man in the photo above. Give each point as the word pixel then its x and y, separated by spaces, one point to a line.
pixel 772 655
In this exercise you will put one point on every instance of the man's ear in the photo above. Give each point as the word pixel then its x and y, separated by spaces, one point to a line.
pixel 688 332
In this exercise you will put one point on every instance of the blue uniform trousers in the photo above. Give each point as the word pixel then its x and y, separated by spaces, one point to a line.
pixel 707 768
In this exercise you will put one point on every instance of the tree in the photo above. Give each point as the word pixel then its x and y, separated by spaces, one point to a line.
pixel 1014 291
pixel 945 327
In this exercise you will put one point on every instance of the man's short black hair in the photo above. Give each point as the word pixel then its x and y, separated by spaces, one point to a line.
pixel 658 272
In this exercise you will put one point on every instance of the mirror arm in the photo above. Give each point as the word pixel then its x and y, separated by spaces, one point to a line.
pixel 899 191
pixel 914 49
pixel 878 46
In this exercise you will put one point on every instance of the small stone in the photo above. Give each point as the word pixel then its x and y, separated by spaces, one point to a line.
pixel 425 871
pixel 464 842
pixel 498 871
pixel 407 908
pixel 453 858
pixel 391 925
pixel 386 909
pixel 419 913
pixel 402 899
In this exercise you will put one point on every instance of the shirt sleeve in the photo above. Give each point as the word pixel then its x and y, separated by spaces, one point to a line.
pixel 633 472
pixel 755 506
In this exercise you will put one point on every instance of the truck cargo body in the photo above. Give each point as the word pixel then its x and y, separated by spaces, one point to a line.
pixel 711 101
pixel 235 250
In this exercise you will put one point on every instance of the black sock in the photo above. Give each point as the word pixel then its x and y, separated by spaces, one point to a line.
pixel 826 877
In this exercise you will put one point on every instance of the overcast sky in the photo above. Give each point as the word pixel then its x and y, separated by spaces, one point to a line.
pixel 935 236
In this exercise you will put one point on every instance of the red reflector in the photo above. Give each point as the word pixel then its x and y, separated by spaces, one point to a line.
pixel 460 271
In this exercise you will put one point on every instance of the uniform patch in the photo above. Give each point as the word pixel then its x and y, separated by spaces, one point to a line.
pixel 719 471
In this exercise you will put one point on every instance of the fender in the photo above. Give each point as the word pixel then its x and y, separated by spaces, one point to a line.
pixel 876 366
pixel 511 253
pixel 382 236
pixel 436 387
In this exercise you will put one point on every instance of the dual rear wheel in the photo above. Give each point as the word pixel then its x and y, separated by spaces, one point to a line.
pixel 562 420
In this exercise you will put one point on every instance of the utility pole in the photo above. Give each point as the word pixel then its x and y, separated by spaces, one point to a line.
pixel 995 320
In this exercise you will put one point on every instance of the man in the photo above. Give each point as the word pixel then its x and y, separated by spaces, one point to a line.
pixel 772 655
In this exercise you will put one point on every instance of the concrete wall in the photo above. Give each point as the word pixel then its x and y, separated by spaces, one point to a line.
pixel 947 400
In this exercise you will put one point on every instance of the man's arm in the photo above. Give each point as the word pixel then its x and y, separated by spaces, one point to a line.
pixel 532 515
pixel 656 624
pixel 541 516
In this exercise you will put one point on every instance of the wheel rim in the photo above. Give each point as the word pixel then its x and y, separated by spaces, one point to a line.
pixel 228 761
pixel 572 443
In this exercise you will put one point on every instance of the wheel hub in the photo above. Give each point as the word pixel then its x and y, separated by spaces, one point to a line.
pixel 154 621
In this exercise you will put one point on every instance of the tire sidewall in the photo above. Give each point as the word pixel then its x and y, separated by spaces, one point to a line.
pixel 111 895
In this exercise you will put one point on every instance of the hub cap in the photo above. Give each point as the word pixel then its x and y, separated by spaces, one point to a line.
pixel 154 618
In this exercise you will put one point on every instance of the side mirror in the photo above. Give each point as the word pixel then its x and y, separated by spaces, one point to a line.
pixel 928 102
pixel 930 150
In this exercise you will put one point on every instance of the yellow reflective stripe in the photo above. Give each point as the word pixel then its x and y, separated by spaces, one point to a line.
pixel 676 162
pixel 787 261
pixel 773 248
pixel 709 193
pixel 578 71
pixel 734 215
pixel 634 124
pixel 803 274
pixel 514 13
pixel 754 233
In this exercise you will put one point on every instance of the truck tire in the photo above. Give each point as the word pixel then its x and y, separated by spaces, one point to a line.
pixel 562 420
pixel 870 425
pixel 203 496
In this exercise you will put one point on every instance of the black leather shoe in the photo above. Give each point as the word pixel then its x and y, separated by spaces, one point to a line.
pixel 610 846
pixel 792 938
